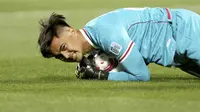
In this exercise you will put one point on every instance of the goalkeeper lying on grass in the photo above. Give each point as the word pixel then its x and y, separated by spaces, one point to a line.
pixel 134 37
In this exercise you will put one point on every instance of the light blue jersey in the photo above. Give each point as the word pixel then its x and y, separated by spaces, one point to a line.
pixel 136 37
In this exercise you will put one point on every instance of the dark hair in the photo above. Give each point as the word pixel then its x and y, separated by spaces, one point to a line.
pixel 48 31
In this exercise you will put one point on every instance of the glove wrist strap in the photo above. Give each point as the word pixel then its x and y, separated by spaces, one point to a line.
pixel 102 75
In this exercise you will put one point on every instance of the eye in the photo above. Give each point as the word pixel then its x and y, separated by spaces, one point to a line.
pixel 63 47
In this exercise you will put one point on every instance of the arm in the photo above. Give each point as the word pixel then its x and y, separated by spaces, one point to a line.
pixel 113 39
pixel 132 61
pixel 135 67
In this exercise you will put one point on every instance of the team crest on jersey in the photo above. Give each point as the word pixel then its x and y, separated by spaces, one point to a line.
pixel 115 48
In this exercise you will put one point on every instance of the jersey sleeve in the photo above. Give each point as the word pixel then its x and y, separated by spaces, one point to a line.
pixel 135 68
pixel 114 40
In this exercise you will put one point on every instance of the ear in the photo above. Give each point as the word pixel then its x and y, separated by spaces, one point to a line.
pixel 69 31
pixel 72 30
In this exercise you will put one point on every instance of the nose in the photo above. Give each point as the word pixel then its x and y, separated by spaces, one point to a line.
pixel 65 54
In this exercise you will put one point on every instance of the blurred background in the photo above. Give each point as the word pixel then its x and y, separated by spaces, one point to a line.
pixel 30 83
pixel 19 18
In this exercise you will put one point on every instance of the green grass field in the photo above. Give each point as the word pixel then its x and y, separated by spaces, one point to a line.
pixel 30 83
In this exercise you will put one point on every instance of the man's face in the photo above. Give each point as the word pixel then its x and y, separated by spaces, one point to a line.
pixel 67 47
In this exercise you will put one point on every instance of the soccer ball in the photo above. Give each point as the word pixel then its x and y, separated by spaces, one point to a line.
pixel 107 63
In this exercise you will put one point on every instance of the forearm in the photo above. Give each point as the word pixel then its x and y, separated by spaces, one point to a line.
pixel 123 76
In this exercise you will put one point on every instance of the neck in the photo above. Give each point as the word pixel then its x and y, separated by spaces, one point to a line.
pixel 85 44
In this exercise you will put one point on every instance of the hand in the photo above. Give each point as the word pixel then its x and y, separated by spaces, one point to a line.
pixel 87 70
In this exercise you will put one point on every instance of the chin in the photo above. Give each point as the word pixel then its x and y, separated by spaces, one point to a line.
pixel 79 57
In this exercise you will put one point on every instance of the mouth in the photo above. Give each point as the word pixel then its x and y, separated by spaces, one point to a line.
pixel 74 56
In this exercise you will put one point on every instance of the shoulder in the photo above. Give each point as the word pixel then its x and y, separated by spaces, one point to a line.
pixel 105 19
